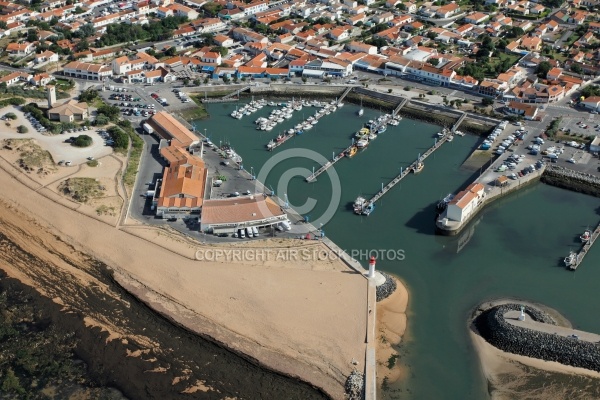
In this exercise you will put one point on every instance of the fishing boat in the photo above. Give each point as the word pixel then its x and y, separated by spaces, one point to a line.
pixel 362 143
pixel 368 209
pixel 270 145
pixel 280 138
pixel 372 136
pixel 382 129
pixel 571 260
pixel 359 204
pixel 441 206
pixel 351 152
pixel 393 122
pixel 586 236
pixel 418 168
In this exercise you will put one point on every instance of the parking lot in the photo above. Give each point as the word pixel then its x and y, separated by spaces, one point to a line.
pixel 56 145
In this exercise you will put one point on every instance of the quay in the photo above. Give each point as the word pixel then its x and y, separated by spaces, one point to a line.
pixel 585 248
pixel 313 177
pixel 411 167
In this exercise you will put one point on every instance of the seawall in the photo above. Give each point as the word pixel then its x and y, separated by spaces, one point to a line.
pixel 494 328
pixel 573 180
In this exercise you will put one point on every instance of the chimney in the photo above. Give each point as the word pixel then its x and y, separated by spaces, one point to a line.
pixel 51 92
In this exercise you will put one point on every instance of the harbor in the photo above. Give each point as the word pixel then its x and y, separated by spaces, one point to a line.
pixel 449 283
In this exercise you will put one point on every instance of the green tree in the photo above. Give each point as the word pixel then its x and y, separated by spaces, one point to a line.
pixel 543 68
pixel 82 141
pixel 576 68
pixel 486 101
pixel 432 35
pixel 11 115
pixel 88 95
pixel 22 129
pixel 197 82
pixel 221 50
pixel 434 61
pixel 171 51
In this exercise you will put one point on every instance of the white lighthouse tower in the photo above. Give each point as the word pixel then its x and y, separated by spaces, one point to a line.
pixel 372 262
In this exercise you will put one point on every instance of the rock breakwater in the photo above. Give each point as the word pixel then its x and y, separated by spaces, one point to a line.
pixel 385 290
pixel 493 327
pixel 573 180
pixel 355 386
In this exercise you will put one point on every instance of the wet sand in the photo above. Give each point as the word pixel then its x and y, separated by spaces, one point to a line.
pixel 304 318
pixel 391 326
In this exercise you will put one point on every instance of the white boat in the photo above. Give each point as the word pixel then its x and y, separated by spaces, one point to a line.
pixel 290 132
pixel 440 134
pixel 299 126
pixel 361 112
pixel 393 122
pixel 450 138
pixel 586 236
pixel 362 143
pixel 359 204
pixel 280 120
pixel 269 128
pixel 571 260
pixel 271 144
pixel 307 127
pixel 271 103
pixel 372 136
pixel 314 122
pixel 340 105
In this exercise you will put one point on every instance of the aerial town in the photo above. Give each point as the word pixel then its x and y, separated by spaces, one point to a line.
pixel 153 155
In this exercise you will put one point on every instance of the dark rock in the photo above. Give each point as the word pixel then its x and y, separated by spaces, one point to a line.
pixel 386 289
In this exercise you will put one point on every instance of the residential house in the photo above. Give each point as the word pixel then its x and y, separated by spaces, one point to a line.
pixel 46 56
pixel 15 77
pixel 528 111
pixel 448 10
pixel 476 18
pixel 532 43
pixel 358 47
pixel 222 40
pixel 40 80
pixel 20 49
pixel 591 103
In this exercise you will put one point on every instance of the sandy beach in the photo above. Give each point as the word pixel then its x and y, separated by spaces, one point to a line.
pixel 391 326
pixel 304 316
pixel 513 376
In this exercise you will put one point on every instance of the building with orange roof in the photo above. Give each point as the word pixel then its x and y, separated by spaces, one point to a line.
pixel 171 130
pixel 229 215
pixel 466 202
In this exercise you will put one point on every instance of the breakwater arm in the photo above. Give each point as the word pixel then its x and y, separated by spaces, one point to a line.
pixel 573 180
pixel 506 336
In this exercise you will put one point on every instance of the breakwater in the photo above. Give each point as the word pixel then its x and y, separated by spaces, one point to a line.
pixel 387 288
pixel 576 181
pixel 497 331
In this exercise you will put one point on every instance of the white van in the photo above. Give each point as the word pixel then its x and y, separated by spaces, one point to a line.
pixel 255 231
pixel 249 232
pixel 241 233
pixel 285 225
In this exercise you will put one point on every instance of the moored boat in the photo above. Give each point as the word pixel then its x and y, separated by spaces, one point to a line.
pixel 571 260
pixel 351 152
pixel 362 143
pixel 368 209
pixel 382 129
pixel 359 204
pixel 586 236
pixel 442 204
pixel 418 168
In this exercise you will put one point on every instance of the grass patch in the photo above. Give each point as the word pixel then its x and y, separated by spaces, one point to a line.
pixel 137 146
pixel 82 189
pixel 105 210
pixel 195 113
pixel 32 158
pixel 501 57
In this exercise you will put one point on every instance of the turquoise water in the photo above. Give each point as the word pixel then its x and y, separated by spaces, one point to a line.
pixel 514 248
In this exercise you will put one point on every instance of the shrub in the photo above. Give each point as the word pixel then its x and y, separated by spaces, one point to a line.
pixel 82 141
pixel 407 88
pixel 22 129
pixel 10 115
pixel 389 90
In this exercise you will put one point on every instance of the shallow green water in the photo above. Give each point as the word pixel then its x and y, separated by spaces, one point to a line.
pixel 513 248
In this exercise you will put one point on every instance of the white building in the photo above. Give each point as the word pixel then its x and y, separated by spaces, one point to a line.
pixel 81 70
pixel 466 202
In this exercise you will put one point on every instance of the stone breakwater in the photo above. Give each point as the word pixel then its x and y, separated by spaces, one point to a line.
pixel 573 180
pixel 492 326
pixel 355 386
pixel 385 290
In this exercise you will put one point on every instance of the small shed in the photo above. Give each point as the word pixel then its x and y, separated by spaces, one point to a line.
pixel 502 181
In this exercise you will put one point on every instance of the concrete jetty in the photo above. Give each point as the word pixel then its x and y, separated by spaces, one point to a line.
pixel 313 177
pixel 344 94
pixel 585 248
pixel 397 109
pixel 438 143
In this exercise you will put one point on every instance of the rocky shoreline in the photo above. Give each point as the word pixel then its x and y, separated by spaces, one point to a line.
pixel 492 326
pixel 386 289
pixel 573 180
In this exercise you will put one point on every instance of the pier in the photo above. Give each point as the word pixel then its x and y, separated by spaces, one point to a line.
pixel 585 248
pixel 397 109
pixel 344 94
pixel 411 167
pixel 275 144
pixel 314 175
pixel 457 123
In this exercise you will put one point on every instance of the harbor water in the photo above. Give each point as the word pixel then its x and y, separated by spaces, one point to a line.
pixel 514 248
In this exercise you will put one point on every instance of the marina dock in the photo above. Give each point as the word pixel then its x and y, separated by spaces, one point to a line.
pixel 338 157
pixel 276 144
pixel 344 94
pixel 457 123
pixel 408 170
pixel 402 104
pixel 585 248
